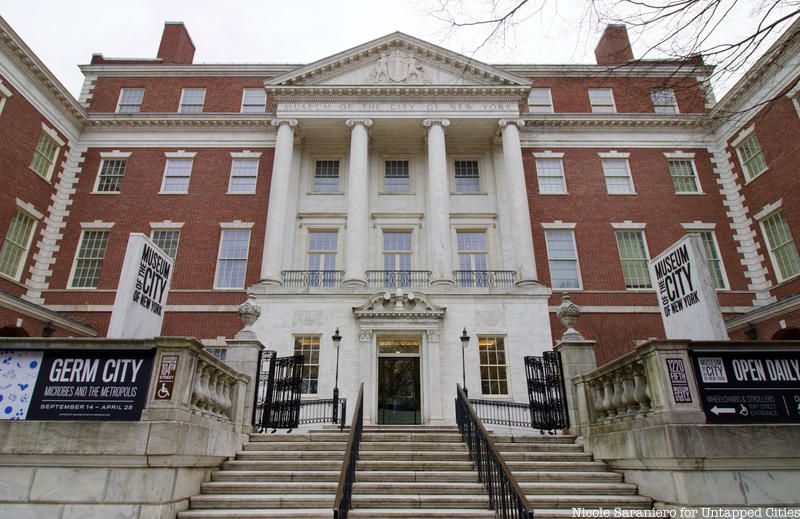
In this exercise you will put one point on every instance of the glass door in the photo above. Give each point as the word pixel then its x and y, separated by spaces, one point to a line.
pixel 399 394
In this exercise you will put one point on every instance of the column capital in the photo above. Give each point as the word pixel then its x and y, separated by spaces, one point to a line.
pixel 353 122
pixel 277 122
pixel 505 122
pixel 444 123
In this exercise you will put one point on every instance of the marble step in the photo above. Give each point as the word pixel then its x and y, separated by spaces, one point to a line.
pixel 533 438
pixel 410 429
pixel 518 467
pixel 410 436
pixel 510 456
pixel 419 501
pixel 300 437
pixel 412 445
pixel 264 501
pixel 472 476
pixel 297 446
pixel 476 488
pixel 290 455
pixel 539 447
pixel 270 487
pixel 588 500
pixel 275 475
pixel 420 513
pixel 238 513
pixel 284 465
pixel 415 465
pixel 567 513
pixel 406 455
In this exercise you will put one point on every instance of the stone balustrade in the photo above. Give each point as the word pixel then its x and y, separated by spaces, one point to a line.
pixel 619 390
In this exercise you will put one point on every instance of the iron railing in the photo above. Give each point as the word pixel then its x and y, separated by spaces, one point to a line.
pixel 264 387
pixel 312 278
pixel 398 278
pixel 546 391
pixel 327 410
pixel 505 496
pixel 500 412
pixel 344 492
pixel 484 278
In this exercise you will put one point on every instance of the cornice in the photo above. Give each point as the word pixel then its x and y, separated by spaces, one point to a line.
pixel 199 69
pixel 636 69
pixel 616 121
pixel 167 120
pixel 389 91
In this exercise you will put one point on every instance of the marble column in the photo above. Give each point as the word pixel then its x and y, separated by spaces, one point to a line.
pixel 357 203
pixel 519 209
pixel 278 202
pixel 438 214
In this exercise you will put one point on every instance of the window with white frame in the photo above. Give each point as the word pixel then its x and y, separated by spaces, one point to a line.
pixel 308 347
pixel 130 100
pixel 167 240
pixel 684 176
pixel 397 251
pixel 713 258
pixel 254 100
pixel 751 157
pixel 494 370
pixel 562 257
pixel 467 177
pixel 781 246
pixel 322 247
pixel 634 258
pixel 664 101
pixel 326 176
pixel 244 176
pixel 109 178
pixel 192 100
pixel 550 176
pixel 232 259
pixel 618 176
pixel 396 178
pixel 17 244
pixel 177 174
pixel 602 100
pixel 540 101
pixel 89 258
pixel 5 93
pixel 473 254
pixel 44 156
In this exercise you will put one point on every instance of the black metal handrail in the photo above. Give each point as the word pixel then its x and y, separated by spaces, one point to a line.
pixel 505 495
pixel 326 410
pixel 398 278
pixel 312 278
pixel 344 492
pixel 485 278
pixel 501 412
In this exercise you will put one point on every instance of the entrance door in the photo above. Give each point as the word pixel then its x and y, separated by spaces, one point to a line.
pixel 399 395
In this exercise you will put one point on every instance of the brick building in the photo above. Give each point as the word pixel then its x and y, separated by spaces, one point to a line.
pixel 400 192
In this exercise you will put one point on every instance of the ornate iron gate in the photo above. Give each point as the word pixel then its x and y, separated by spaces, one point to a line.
pixel 278 389
pixel 546 392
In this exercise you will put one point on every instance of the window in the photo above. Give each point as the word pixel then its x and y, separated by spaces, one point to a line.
pixel 467 178
pixel 494 376
pixel 618 176
pixel 664 101
pixel 751 157
pixel 782 249
pixel 130 100
pixel 244 175
pixel 602 100
pixel 326 176
pixel 397 258
pixel 633 255
pixel 472 258
pixel 713 258
pixel 44 156
pixel 176 176
pixel 16 245
pixel 684 176
pixel 5 93
pixel 167 240
pixel 550 174
pixel 89 259
pixel 232 260
pixel 322 258
pixel 254 100
pixel 308 347
pixel 539 101
pixel 563 259
pixel 109 179
pixel 192 100
pixel 396 179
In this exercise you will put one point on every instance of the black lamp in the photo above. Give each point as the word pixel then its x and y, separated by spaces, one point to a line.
pixel 464 343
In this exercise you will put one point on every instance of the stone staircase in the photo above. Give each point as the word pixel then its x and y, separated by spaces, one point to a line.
pixel 404 472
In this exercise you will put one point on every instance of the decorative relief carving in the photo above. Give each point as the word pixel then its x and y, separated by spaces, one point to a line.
pixel 399 305
pixel 398 66
pixel 365 335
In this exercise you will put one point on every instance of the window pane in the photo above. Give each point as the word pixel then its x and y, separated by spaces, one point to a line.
pixel 177 175
pixel 111 173
pixel 232 261
pixel 664 101
pixel 326 176
pixel 752 157
pixel 467 177
pixel 713 259
pixel 550 174
pixel 192 100
pixel 168 241
pixel 539 101
pixel 617 176
pixel 494 379
pixel 396 178
pixel 323 241
pixel 563 259
pixel 44 156
pixel 16 244
pixel 89 260
pixel 683 176
pixel 308 347
pixel 781 246
pixel 633 256
pixel 130 100
pixel 244 175
pixel 601 99
pixel 254 100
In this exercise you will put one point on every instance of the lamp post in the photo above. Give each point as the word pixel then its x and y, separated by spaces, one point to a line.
pixel 337 341
pixel 464 343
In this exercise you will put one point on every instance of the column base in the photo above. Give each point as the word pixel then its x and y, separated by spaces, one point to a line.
pixel 271 281
pixel 354 282
pixel 443 282
pixel 527 283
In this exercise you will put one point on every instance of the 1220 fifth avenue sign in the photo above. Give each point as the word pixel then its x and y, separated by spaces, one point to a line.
pixel 142 291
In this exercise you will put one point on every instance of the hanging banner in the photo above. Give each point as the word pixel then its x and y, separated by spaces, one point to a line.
pixel 138 311
pixel 686 294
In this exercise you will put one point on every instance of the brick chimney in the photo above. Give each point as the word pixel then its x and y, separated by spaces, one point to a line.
pixel 176 44
pixel 614 47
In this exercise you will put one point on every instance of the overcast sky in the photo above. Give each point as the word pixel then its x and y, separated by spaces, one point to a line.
pixel 64 34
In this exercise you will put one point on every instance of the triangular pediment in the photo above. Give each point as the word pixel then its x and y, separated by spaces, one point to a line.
pixel 398 60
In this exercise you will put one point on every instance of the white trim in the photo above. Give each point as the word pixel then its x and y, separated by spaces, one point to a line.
pixel 27 207
pixel 551 108
pixel 236 224
pixel 116 154
pixel 23 260
pixel 166 224
pixel 97 225
pixel 699 226
pixel 793 94
pixel 613 154
pixel 547 154
pixel 768 209
pixel 53 134
pixel 43 314
pixel 246 154
pixel 745 133
pixel 558 224
pixel 627 225
pixel 180 154
pixel 678 154
pixel 4 91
